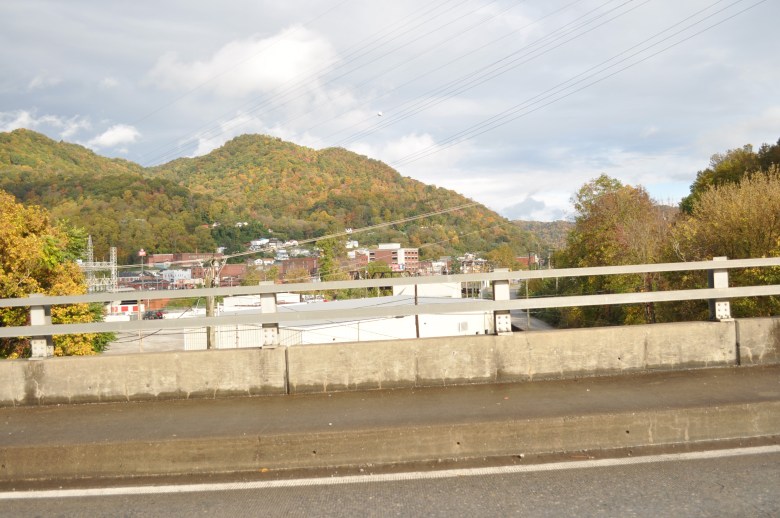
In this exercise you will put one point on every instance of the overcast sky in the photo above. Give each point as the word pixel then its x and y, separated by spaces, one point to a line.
pixel 514 104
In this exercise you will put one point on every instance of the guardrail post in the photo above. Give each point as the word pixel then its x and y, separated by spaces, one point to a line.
pixel 270 331
pixel 42 346
pixel 502 319
pixel 720 309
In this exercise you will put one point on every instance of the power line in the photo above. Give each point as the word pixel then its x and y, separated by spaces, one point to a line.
pixel 371 227
pixel 516 112
pixel 440 67
pixel 234 66
pixel 346 269
pixel 353 53
pixel 235 121
pixel 430 49
pixel 338 234
pixel 497 68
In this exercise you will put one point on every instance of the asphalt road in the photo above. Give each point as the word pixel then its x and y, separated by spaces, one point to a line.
pixel 520 317
pixel 521 321
pixel 745 483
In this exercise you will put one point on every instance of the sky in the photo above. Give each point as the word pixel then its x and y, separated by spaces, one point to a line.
pixel 514 104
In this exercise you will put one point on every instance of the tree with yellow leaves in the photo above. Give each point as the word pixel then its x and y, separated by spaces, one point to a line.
pixel 38 256
pixel 738 221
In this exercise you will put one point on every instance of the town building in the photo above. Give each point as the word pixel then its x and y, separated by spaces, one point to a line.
pixel 529 262
pixel 397 258
pixel 178 278
pixel 437 267
pixel 308 264
pixel 470 263
pixel 229 274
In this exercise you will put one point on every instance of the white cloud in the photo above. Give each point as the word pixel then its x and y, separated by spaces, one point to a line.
pixel 756 129
pixel 240 124
pixel 537 208
pixel 10 121
pixel 250 65
pixel 648 132
pixel 655 124
pixel 109 82
pixel 416 155
pixel 42 81
pixel 73 125
pixel 114 136
pixel 450 108
pixel 65 127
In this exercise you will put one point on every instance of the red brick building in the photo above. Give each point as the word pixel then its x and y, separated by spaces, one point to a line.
pixel 397 258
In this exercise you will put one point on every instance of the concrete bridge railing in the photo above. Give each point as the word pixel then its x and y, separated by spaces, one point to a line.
pixel 400 363
pixel 718 294
pixel 529 356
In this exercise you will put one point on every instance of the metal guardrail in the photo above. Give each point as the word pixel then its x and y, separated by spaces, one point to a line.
pixel 719 292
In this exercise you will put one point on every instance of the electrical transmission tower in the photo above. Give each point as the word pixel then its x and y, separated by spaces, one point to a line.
pixel 91 268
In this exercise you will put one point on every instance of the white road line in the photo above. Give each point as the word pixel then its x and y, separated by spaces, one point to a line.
pixel 389 477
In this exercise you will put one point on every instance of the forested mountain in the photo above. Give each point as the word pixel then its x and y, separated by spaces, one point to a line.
pixel 295 191
pixel 551 234
pixel 304 193
pixel 114 200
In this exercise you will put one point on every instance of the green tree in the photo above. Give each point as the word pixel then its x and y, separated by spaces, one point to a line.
pixel 297 275
pixel 259 274
pixel 730 168
pixel 332 253
pixel 616 224
pixel 503 257
pixel 37 256
pixel 376 269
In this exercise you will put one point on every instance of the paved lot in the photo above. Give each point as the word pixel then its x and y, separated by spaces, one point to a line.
pixel 160 341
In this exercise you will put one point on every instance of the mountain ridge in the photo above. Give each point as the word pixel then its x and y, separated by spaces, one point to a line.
pixel 291 190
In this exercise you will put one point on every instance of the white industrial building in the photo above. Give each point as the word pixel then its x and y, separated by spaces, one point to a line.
pixel 320 331
pixel 176 276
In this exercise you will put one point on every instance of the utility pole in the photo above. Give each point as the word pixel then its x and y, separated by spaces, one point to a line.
pixel 211 278
pixel 416 316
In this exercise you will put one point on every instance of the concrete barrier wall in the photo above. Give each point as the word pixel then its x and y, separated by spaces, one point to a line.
pixel 389 364
pixel 196 374
pixel 759 341
pixel 392 364
pixel 517 357
pixel 608 350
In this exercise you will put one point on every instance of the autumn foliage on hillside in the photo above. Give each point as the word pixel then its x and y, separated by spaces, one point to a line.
pixel 189 204
pixel 110 198
pixel 303 193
